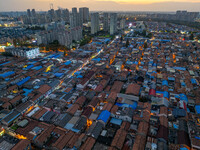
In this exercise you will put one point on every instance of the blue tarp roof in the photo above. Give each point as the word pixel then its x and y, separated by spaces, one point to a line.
pixel 57 56
pixel 154 64
pixel 79 76
pixel 196 137
pixel 164 83
pixel 6 74
pixel 165 93
pixel 99 43
pixel 27 91
pixel 97 59
pixel 31 62
pixel 23 81
pixel 131 62
pixel 104 116
pixel 175 126
pixel 5 63
pixel 54 56
pixel 184 148
pixel 133 106
pixel 142 63
pixel 37 67
pixel 171 78
pixel 58 74
pixel 75 130
pixel 197 107
pixel 140 42
pixel 180 68
pixel 67 62
pixel 193 81
pixel 164 40
pixel 107 40
pixel 77 73
pixel 116 121
pixel 183 84
pixel 154 72
pixel 183 97
pixel 29 67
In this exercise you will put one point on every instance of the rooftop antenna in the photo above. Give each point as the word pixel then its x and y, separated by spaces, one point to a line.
pixel 59 7
pixel 51 5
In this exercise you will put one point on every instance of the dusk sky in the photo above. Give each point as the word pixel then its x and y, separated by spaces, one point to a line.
pixel 106 5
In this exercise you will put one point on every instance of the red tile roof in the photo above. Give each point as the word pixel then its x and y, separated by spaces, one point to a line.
pixel 72 110
pixel 80 100
pixel 119 139
pixel 133 89
pixel 62 141
pixel 117 86
pixel 21 145
pixel 88 144
pixel 44 89
pixel 139 143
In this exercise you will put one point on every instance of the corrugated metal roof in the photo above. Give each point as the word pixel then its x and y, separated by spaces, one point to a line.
pixel 67 117
pixel 11 116
pixel 80 124
pixel 97 130
pixel 47 117
pixel 179 112
pixel 116 121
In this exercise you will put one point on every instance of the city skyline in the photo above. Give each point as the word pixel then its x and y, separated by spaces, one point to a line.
pixel 103 5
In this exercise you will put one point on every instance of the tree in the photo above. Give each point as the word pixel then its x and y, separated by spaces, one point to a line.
pixel 7 54
pixel 150 35
pixel 144 32
pixel 86 40
pixel 64 53
pixel 198 37
pixel 145 45
pixel 121 38
pixel 143 99
pixel 127 42
pixel 14 42
pixel 191 36
pixel 54 45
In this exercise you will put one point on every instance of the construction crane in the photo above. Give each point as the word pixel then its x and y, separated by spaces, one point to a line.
pixel 51 6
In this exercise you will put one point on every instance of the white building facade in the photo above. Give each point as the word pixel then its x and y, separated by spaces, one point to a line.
pixel 94 23
pixel 29 53
pixel 113 23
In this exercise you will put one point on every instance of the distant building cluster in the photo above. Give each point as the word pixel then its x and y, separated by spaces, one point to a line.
pixel 75 18
pixel 16 35
pixel 58 32
pixel 110 23
pixel 41 18
pixel 180 15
